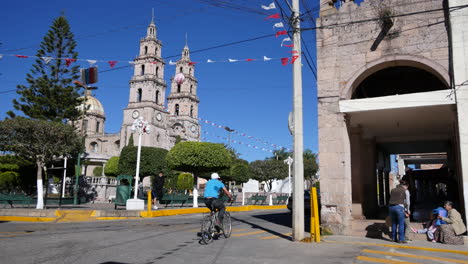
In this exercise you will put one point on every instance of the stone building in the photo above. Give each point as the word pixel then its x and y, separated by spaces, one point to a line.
pixel 147 99
pixel 387 86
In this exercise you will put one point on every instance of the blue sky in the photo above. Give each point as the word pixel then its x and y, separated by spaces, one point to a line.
pixel 254 98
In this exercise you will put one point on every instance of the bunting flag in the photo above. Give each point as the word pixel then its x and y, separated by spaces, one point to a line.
pixel 209 61
pixel 132 63
pixel 172 63
pixel 273 16
pixel 69 61
pixel 293 51
pixel 280 24
pixel 283 32
pixel 1 56
pixel 21 56
pixel 46 59
pixel 231 60
pixel 270 6
pixel 294 58
pixel 91 62
pixel 250 59
pixel 289 45
pixel 192 63
pixel 284 61
pixel 285 39
pixel 265 58
pixel 112 63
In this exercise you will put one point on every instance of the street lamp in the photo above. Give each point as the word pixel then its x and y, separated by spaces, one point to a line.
pixel 140 126
pixel 289 161
pixel 229 130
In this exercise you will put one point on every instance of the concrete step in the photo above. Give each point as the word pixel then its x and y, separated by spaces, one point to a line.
pixel 378 229
pixel 75 215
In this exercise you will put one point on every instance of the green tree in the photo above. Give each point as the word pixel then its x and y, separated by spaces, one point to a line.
pixel 185 181
pixel 310 165
pixel 152 161
pixel 50 93
pixel 268 171
pixel 8 180
pixel 24 168
pixel 97 171
pixel 112 167
pixel 40 141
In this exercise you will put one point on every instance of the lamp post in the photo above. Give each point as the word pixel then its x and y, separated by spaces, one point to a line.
pixel 140 126
pixel 289 161
pixel 229 130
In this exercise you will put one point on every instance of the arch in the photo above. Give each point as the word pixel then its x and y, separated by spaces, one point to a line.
pixel 139 95
pixel 117 144
pixel 156 50
pixel 157 72
pixel 146 50
pixel 178 88
pixel 98 124
pixel 181 69
pixel 157 97
pixel 191 111
pixel 142 72
pixel 190 71
pixel 94 146
pixel 191 88
pixel 393 61
pixel 176 112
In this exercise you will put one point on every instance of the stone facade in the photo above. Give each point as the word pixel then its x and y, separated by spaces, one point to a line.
pixel 348 52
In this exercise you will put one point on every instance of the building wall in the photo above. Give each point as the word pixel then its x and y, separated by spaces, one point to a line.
pixel 344 59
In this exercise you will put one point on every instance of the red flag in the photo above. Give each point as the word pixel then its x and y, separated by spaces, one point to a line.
pixel 273 16
pixel 250 59
pixel 293 51
pixel 284 61
pixel 192 63
pixel 284 32
pixel 294 58
pixel 112 63
pixel 21 56
pixel 289 46
pixel 69 61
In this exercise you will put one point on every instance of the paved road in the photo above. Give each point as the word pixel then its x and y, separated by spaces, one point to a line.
pixel 258 237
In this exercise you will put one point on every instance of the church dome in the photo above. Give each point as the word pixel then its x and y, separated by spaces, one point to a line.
pixel 93 106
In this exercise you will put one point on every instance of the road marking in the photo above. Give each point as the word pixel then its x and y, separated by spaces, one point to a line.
pixel 461 252
pixel 413 256
pixel 363 258
pixel 276 236
pixel 247 234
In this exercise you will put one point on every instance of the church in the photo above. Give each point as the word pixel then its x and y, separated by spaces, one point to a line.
pixel 168 118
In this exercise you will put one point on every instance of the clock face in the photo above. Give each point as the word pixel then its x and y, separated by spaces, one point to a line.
pixel 135 114
pixel 159 116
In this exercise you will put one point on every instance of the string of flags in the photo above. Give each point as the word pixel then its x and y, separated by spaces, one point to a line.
pixel 275 146
pixel 238 142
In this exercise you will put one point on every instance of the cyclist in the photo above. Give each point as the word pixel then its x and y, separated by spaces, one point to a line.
pixel 212 190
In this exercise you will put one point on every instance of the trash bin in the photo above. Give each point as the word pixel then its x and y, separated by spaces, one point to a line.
pixel 124 190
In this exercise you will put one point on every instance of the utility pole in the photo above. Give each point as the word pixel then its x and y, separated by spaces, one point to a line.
pixel 298 197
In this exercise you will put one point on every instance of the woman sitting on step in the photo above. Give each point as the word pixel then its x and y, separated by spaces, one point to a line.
pixel 450 233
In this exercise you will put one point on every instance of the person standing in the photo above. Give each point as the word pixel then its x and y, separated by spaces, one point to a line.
pixel 157 191
pixel 397 211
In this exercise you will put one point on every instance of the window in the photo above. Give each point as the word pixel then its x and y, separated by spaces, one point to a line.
pixel 85 125
pixel 157 71
pixel 181 69
pixel 117 144
pixel 157 97
pixel 156 51
pixel 94 147
pixel 176 109
pixel 191 87
pixel 97 126
pixel 191 111
pixel 158 137
pixel 190 71
pixel 146 50
pixel 142 70
pixel 178 88
pixel 139 95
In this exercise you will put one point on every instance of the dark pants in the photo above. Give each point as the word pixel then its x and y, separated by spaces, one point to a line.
pixel 397 214
pixel 216 204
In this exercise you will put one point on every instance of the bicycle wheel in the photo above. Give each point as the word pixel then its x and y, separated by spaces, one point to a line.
pixel 207 229
pixel 227 226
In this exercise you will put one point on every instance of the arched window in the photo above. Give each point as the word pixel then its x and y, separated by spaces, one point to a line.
pixel 94 147
pixel 139 95
pixel 191 111
pixel 191 88
pixel 85 125
pixel 146 50
pixel 157 72
pixel 97 126
pixel 180 69
pixel 190 71
pixel 142 70
pixel 117 144
pixel 176 109
pixel 158 137
pixel 157 97
pixel 178 88
pixel 156 51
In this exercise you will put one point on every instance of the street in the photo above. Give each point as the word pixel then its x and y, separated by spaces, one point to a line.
pixel 258 237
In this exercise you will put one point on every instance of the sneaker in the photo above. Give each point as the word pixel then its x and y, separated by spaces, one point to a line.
pixel 408 240
pixel 413 229
pixel 403 242
pixel 155 207
pixel 433 241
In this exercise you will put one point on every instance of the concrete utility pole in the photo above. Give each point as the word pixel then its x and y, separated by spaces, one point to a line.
pixel 298 197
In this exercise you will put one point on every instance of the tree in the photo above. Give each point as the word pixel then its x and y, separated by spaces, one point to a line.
pixel 184 181
pixel 268 171
pixel 152 161
pixel 310 165
pixel 24 168
pixel 238 171
pixel 50 94
pixel 112 167
pixel 40 141
pixel 97 171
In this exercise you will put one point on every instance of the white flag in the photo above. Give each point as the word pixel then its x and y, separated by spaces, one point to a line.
pixel 265 58
pixel 271 6
pixel 1 56
pixel 46 59
pixel 280 24
pixel 209 61
pixel 91 62
pixel 285 39
pixel 172 63
pixel 231 60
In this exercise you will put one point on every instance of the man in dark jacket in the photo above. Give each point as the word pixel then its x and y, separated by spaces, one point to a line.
pixel 157 191
pixel 397 211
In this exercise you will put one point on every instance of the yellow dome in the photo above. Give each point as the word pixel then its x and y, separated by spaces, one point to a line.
pixel 93 106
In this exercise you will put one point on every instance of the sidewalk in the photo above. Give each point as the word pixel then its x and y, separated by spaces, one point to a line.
pixel 106 211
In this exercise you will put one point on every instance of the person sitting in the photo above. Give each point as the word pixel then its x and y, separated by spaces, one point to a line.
pixel 212 189
pixel 432 226
pixel 451 232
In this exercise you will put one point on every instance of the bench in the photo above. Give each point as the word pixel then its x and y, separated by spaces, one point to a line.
pixel 254 199
pixel 172 198
pixel 17 198
pixel 280 199
pixel 224 198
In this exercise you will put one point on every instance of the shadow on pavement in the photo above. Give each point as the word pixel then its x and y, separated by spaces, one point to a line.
pixel 284 219
pixel 280 219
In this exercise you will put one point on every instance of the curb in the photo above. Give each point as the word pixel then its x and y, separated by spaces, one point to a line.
pixel 99 215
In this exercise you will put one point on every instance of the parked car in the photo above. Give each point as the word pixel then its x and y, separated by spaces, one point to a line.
pixel 306 201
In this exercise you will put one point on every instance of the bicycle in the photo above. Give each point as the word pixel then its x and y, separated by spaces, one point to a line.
pixel 208 227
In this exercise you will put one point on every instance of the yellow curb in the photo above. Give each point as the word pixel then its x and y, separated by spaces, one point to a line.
pixel 116 218
pixel 168 212
pixel 26 219
pixel 461 252
pixel 413 256
pixel 389 261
